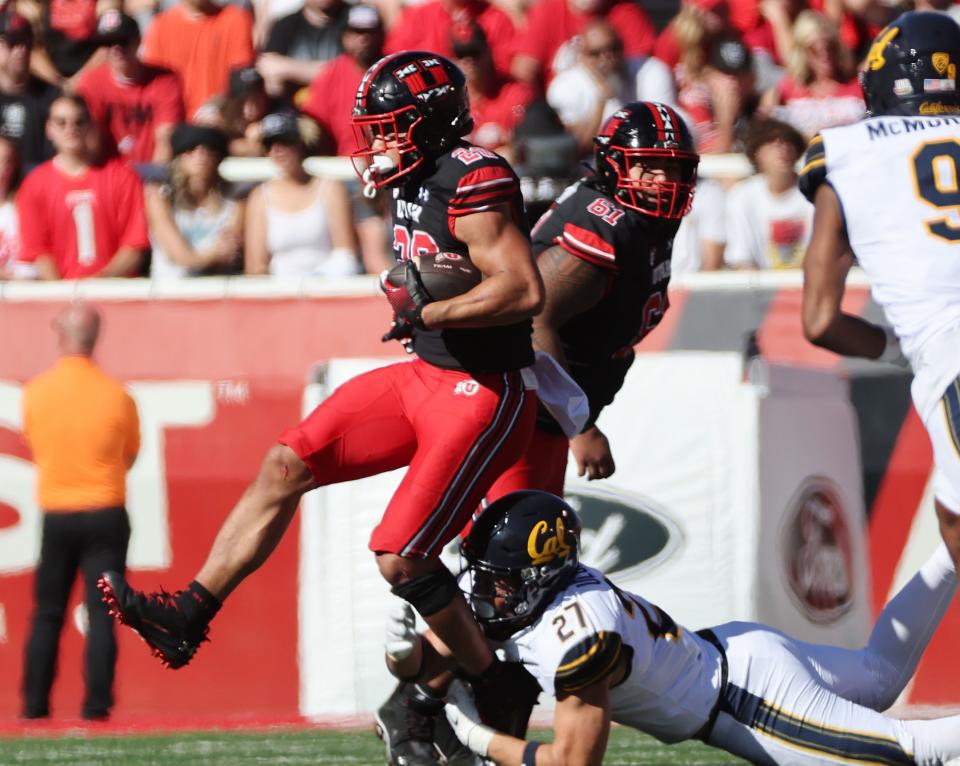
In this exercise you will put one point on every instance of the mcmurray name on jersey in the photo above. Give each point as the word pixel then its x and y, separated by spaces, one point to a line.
pixel 889 126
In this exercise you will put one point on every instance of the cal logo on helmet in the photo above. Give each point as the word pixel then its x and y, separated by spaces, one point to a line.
pixel 545 545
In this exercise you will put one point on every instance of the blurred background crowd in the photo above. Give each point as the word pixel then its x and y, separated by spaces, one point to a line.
pixel 116 116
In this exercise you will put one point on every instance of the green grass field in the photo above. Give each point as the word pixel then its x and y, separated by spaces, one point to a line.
pixel 293 748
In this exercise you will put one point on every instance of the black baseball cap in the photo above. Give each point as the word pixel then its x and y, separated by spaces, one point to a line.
pixel 187 136
pixel 280 127
pixel 116 28
pixel 468 40
pixel 729 54
pixel 14 28
pixel 244 79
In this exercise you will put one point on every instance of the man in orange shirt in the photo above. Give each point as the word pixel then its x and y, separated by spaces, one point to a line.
pixel 200 41
pixel 83 430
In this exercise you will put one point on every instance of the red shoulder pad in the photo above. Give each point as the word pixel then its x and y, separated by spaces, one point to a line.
pixel 587 245
pixel 482 189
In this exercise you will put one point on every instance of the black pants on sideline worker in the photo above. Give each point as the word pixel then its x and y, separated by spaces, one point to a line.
pixel 91 542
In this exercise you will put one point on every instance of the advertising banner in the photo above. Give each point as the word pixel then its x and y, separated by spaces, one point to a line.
pixel 219 368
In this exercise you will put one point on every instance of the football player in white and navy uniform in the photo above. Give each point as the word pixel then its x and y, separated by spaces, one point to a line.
pixel 612 656
pixel 886 193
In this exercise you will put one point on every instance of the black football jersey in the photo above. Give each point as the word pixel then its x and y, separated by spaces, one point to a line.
pixel 635 251
pixel 465 180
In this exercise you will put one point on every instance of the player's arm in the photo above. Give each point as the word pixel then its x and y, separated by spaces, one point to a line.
pixel 511 289
pixel 825 267
pixel 571 287
pixel 581 725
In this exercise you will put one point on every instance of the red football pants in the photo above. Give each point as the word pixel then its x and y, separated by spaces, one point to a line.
pixel 542 466
pixel 457 433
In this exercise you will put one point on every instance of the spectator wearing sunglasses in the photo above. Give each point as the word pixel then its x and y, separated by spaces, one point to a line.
pixel 80 219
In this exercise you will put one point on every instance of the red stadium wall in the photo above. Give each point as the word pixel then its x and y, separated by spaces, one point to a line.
pixel 257 353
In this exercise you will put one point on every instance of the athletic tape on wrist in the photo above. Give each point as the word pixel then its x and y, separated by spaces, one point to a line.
pixel 530 754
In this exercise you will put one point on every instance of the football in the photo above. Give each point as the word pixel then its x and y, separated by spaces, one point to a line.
pixel 444 275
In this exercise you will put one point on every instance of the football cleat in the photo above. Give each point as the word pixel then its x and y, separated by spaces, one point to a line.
pixel 452 751
pixel 158 617
pixel 406 731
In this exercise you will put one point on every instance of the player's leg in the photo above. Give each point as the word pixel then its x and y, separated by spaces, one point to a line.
pixel 943 427
pixel 877 673
pixel 468 432
pixel 542 466
pixel 774 710
pixel 53 579
pixel 360 430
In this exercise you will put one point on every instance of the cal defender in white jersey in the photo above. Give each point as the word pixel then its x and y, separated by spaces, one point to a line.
pixel 609 655
pixel 887 193
pixel 672 676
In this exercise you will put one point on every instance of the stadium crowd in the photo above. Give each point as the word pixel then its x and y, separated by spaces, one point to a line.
pixel 114 118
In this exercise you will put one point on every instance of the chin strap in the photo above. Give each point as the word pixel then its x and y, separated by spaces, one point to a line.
pixel 381 166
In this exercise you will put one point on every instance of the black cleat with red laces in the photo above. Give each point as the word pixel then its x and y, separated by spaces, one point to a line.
pixel 172 624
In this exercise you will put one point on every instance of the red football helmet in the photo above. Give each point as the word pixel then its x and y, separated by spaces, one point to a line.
pixel 648 134
pixel 416 98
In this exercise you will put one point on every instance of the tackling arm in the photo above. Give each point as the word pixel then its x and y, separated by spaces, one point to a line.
pixel 511 289
pixel 825 267
pixel 581 726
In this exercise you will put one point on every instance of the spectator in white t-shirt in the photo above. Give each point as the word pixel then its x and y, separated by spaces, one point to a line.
pixel 702 236
pixel 587 93
pixel 768 219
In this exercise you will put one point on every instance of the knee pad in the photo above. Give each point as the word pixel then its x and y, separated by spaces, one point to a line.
pixel 429 593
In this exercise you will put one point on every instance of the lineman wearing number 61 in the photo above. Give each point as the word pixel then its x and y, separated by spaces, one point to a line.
pixel 886 192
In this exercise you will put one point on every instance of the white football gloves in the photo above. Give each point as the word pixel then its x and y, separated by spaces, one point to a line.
pixel 401 632
pixel 465 720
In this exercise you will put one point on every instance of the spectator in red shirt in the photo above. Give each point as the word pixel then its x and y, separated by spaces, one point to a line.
pixel 134 106
pixel 332 93
pixel 549 43
pixel 79 219
pixel 426 27
pixel 201 41
pixel 497 102
pixel 719 95
pixel 820 89
pixel 686 39
pixel 69 40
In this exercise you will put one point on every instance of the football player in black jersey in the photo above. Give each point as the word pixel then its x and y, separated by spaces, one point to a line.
pixel 458 415
pixel 604 251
